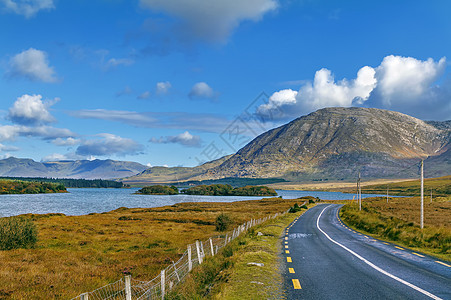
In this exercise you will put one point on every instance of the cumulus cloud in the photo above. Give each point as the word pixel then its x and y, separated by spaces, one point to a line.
pixel 399 83
pixel 163 87
pixel 27 8
pixel 109 144
pixel 31 110
pixel 212 21
pixel 32 64
pixel 202 90
pixel 185 139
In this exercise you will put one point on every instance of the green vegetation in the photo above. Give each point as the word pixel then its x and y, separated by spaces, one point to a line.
pixel 295 208
pixel 228 275
pixel 17 232
pixel 158 190
pixel 233 181
pixel 31 187
pixel 223 222
pixel 74 183
pixel 397 221
pixel 440 186
pixel 228 190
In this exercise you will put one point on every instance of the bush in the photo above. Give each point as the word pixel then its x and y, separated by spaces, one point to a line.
pixel 17 232
pixel 222 222
pixel 296 208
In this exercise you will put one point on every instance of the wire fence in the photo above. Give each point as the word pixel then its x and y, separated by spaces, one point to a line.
pixel 129 288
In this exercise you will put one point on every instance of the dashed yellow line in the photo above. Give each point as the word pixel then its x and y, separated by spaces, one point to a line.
pixel 399 248
pixel 286 238
pixel 442 263
pixel 296 284
pixel 417 254
pixel 385 243
pixel 291 270
pixel 286 246
pixel 289 259
pixel 287 251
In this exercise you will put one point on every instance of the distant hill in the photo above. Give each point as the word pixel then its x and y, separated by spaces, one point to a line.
pixel 333 144
pixel 85 169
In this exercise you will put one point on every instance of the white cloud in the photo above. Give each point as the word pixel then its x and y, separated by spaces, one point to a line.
pixel 70 141
pixel 185 139
pixel 114 62
pixel 8 148
pixel 109 144
pixel 213 21
pixel 27 8
pixel 10 132
pixel 401 83
pixel 406 78
pixel 144 95
pixel 32 64
pixel 163 87
pixel 31 110
pixel 126 91
pixel 202 90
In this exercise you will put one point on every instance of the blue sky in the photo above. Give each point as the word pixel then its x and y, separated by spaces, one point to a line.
pixel 170 82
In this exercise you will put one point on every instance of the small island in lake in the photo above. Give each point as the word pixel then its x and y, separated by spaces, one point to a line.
pixel 228 190
pixel 30 187
pixel 158 190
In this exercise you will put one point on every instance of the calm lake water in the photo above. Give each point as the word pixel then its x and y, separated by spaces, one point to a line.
pixel 84 201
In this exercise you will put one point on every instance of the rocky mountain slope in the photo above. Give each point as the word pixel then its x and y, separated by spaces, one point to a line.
pixel 86 169
pixel 334 144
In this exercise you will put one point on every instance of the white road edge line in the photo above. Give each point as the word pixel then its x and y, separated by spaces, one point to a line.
pixel 373 265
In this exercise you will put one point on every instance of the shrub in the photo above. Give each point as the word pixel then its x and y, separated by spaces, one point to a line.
pixel 17 232
pixel 222 222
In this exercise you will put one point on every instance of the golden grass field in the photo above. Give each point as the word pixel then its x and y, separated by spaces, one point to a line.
pixel 399 221
pixel 76 254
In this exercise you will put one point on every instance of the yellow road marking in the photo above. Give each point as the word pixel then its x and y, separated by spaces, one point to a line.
pixel 289 259
pixel 291 270
pixel 296 284
pixel 417 254
pixel 286 242
pixel 385 243
pixel 286 238
pixel 287 251
pixel 442 263
pixel 286 246
pixel 399 248
pixel 366 237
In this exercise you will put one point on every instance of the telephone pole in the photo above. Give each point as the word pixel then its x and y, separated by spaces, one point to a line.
pixel 422 197
pixel 360 193
pixel 387 193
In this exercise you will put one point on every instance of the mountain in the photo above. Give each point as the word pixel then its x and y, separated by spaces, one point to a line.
pixel 86 169
pixel 173 174
pixel 335 143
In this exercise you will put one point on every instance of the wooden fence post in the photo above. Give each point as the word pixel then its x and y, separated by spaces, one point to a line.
pixel 190 262
pixel 84 296
pixel 226 240
pixel 163 283
pixel 212 249
pixel 128 289
pixel 199 257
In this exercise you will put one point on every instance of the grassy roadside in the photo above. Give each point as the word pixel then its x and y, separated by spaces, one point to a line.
pixel 76 254
pixel 248 268
pixel 397 222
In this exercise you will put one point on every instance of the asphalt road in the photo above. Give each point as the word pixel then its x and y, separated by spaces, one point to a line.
pixel 327 260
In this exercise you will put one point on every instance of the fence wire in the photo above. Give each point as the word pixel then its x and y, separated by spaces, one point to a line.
pixel 129 288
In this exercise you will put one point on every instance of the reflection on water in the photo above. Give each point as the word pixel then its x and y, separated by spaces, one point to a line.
pixel 84 201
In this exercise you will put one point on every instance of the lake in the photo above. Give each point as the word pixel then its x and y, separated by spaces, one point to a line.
pixel 84 201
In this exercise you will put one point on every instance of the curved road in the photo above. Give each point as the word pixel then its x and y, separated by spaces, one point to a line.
pixel 327 260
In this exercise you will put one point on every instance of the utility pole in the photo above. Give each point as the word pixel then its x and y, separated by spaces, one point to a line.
pixel 422 197
pixel 360 193
pixel 387 193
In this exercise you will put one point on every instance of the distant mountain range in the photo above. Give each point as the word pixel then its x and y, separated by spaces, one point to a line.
pixel 333 144
pixel 86 169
